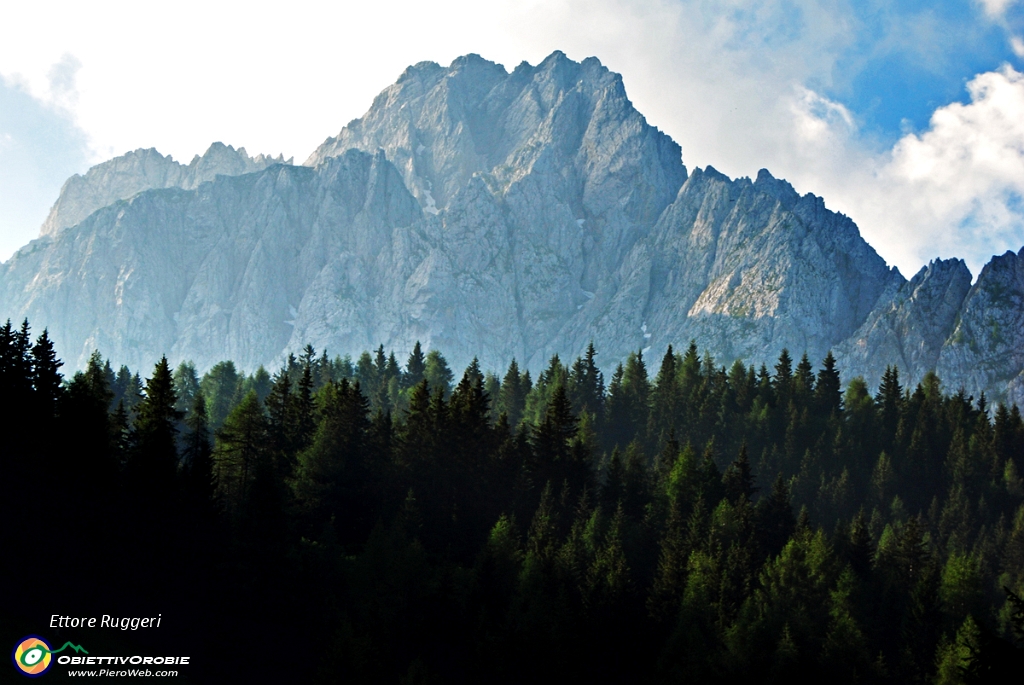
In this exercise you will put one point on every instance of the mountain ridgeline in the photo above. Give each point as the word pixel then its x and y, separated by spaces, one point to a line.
pixel 500 214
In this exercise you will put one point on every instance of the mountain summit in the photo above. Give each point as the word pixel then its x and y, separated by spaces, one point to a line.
pixel 492 213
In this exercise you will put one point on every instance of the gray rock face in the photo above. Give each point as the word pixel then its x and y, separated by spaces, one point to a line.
pixel 744 269
pixel 212 273
pixel 498 215
pixel 985 351
pixel 134 172
pixel 535 184
pixel 909 326
pixel 571 122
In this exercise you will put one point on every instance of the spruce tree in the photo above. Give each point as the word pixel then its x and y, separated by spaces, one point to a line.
pixel 200 484
pixel 828 390
pixel 738 478
pixel 46 377
pixel 512 396
pixel 152 466
pixel 775 521
pixel 414 367
pixel 586 384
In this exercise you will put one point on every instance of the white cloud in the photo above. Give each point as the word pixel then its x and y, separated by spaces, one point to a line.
pixel 40 146
pixel 996 8
pixel 817 119
pixel 1017 44
pixel 953 190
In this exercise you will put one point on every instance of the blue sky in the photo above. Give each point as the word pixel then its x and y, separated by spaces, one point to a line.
pixel 40 146
pixel 907 116
pixel 906 59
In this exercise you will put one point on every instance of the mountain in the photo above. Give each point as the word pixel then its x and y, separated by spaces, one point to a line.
pixel 909 325
pixel 134 172
pixel 494 214
pixel 986 348
pixel 210 273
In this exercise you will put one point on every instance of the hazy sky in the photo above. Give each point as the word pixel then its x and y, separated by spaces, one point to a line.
pixel 907 116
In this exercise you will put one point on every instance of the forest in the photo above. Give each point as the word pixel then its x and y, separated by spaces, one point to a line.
pixel 373 521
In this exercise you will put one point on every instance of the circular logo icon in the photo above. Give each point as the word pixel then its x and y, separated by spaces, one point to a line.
pixel 32 656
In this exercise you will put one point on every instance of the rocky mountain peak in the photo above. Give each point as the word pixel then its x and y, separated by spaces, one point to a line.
pixel 145 169
pixel 498 215
pixel 986 348
pixel 909 324
pixel 440 126
pixel 780 189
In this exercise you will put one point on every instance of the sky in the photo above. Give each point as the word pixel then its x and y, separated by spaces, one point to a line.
pixel 906 116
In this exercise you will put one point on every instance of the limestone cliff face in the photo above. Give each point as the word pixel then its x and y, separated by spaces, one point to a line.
pixel 134 172
pixel 217 272
pixel 909 326
pixel 985 351
pixel 745 269
pixel 534 185
pixel 493 214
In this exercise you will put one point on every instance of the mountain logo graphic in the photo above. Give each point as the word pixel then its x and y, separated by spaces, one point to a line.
pixel 33 656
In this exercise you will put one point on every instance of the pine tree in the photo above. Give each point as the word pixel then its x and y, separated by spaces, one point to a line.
pixel 775 522
pixel 665 399
pixel 153 461
pixel 414 367
pixel 242 443
pixel 553 457
pixel 586 384
pixel 278 408
pixel 670 577
pixel 437 373
pixel 261 383
pixel 186 386
pixel 613 489
pixel 221 385
pixel 331 478
pixel 628 402
pixel 803 382
pixel 783 379
pixel 46 379
pixel 738 479
pixel 512 396
pixel 366 375
pixel 301 423
pixel 200 484
pixel 537 400
pixel 828 391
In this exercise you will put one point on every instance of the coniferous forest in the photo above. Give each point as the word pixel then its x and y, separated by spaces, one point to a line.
pixel 380 521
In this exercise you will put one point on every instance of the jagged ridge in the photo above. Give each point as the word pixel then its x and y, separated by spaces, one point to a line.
pixel 519 214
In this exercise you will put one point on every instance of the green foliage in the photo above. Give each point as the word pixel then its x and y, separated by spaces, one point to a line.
pixel 222 387
pixel 662 543
pixel 437 373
